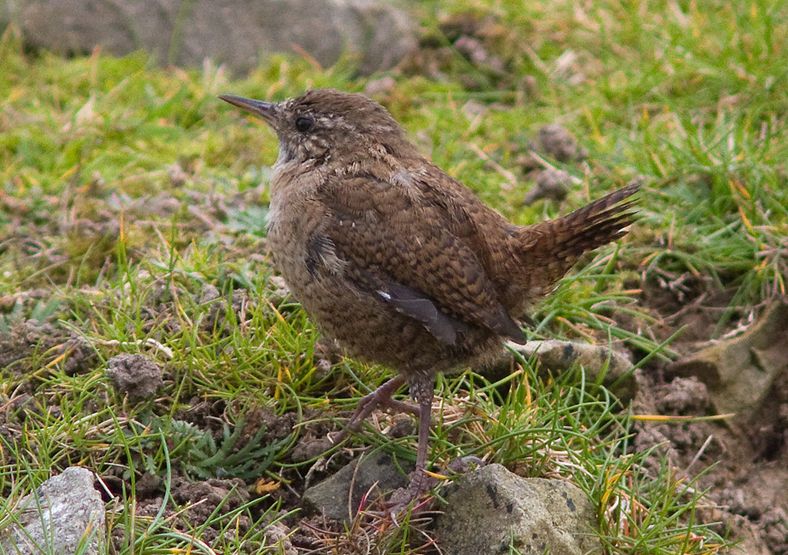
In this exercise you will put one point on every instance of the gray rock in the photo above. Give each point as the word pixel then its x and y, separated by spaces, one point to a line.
pixel 561 355
pixel 740 372
pixel 135 375
pixel 374 473
pixel 64 514
pixel 492 510
pixel 232 32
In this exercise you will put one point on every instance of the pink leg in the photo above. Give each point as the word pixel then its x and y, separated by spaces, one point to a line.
pixel 422 389
pixel 380 397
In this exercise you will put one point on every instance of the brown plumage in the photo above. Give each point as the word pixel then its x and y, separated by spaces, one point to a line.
pixel 397 261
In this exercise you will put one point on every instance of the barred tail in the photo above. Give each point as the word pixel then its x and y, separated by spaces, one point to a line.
pixel 556 245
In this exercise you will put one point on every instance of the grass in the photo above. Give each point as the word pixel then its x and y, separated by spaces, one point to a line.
pixel 133 208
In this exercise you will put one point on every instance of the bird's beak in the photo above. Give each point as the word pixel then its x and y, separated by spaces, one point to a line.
pixel 265 110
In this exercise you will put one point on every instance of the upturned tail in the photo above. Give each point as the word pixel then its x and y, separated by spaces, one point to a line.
pixel 551 248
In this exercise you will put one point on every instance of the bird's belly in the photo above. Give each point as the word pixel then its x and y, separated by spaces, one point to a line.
pixel 366 327
pixel 370 330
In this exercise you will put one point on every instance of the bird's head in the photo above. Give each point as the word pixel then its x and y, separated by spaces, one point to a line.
pixel 326 123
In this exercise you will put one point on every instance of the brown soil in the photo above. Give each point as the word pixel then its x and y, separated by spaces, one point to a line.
pixel 30 338
pixel 743 464
pixel 743 460
pixel 134 375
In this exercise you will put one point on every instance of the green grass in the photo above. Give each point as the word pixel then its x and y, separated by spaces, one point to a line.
pixel 132 218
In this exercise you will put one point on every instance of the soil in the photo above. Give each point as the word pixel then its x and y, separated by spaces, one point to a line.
pixel 742 461
pixel 744 465
pixel 134 375
pixel 745 481
pixel 27 338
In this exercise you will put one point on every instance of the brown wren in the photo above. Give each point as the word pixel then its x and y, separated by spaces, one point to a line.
pixel 398 262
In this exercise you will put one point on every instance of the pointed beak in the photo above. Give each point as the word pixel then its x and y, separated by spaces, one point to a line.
pixel 265 110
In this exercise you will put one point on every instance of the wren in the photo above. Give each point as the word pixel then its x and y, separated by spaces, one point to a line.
pixel 397 261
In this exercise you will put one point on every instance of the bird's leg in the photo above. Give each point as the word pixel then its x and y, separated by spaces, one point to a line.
pixel 422 389
pixel 380 397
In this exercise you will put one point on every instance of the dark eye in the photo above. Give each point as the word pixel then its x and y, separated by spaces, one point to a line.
pixel 305 123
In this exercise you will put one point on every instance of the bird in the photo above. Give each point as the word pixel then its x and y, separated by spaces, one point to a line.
pixel 399 263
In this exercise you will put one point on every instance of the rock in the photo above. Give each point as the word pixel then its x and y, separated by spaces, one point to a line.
pixel 232 32
pixel 562 355
pixel 492 510
pixel 135 375
pixel 64 513
pixel 550 184
pixel 740 372
pixel 373 471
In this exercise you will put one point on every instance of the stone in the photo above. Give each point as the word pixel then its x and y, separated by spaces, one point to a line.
pixel 492 510
pixel 370 475
pixel 135 375
pixel 64 514
pixel 561 355
pixel 236 33
pixel 740 372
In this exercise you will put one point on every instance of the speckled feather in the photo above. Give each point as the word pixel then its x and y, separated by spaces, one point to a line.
pixel 397 261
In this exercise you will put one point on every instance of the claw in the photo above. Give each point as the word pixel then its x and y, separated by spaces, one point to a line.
pixel 380 397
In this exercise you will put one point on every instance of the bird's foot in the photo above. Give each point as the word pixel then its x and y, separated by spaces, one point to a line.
pixel 403 498
pixel 461 465
pixel 381 397
pixel 422 481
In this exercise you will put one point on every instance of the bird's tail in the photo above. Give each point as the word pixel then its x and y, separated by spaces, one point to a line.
pixel 555 245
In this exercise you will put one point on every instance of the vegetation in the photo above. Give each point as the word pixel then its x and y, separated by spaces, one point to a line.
pixel 133 221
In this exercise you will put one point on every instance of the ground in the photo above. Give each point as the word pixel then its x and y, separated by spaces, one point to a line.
pixel 133 223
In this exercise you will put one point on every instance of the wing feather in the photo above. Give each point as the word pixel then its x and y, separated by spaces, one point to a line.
pixel 417 262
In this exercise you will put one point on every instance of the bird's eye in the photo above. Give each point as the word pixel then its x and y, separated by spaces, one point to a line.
pixel 304 123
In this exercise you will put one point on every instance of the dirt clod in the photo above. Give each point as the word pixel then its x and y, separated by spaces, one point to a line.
pixel 557 142
pixel 685 396
pixel 550 184
pixel 30 337
pixel 204 497
pixel 278 535
pixel 135 375
pixel 309 448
